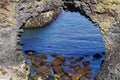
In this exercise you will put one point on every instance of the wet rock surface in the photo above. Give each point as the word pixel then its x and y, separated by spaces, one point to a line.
pixel 56 66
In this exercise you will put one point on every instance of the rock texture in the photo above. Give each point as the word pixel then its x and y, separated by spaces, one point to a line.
pixel 11 23
pixel 42 19
pixel 27 11
pixel 105 14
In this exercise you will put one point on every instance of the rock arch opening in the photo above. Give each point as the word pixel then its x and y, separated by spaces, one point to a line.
pixel 70 36
pixel 103 13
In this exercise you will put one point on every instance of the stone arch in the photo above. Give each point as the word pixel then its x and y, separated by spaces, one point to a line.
pixel 104 14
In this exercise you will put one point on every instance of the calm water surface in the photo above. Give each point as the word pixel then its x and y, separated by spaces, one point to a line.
pixel 70 34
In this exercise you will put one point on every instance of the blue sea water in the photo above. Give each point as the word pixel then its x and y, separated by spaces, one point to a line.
pixel 70 34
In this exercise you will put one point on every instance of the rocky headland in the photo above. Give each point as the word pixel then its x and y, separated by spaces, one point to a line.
pixel 104 14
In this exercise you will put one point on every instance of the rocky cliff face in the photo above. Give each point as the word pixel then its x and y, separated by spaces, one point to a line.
pixel 105 14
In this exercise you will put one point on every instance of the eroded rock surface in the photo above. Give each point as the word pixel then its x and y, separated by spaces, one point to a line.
pixel 103 13
pixel 42 19
pixel 11 20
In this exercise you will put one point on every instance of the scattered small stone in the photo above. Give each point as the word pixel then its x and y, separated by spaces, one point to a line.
pixel 97 56
pixel 43 56
pixel 44 67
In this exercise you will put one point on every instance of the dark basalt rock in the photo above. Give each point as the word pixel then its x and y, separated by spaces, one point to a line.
pixel 97 56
